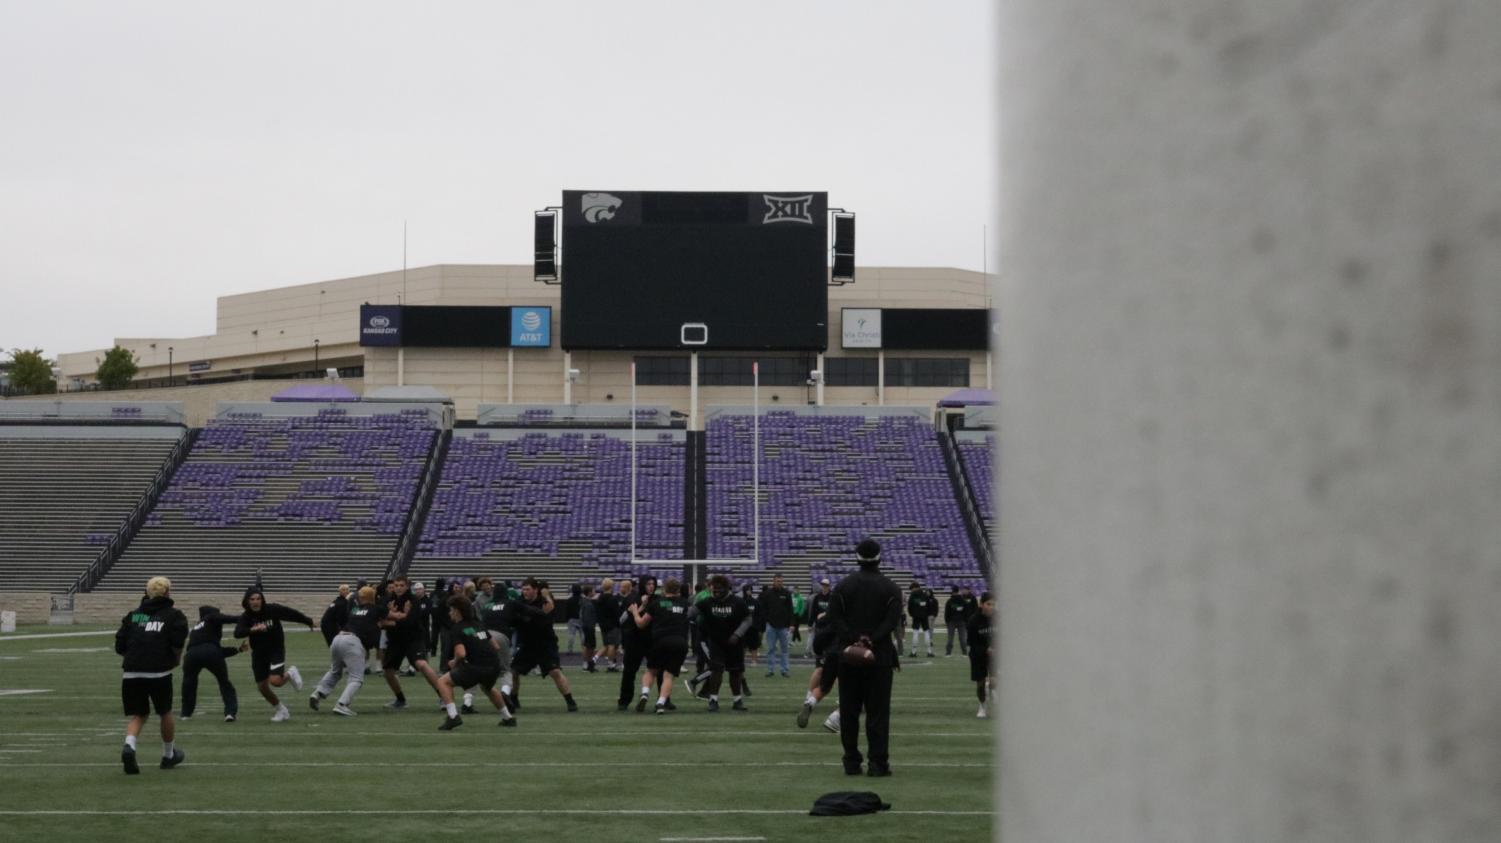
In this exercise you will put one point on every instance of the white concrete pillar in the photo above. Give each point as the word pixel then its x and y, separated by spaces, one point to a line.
pixel 1251 420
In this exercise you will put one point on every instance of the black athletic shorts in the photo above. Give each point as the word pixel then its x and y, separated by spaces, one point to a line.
pixel 266 664
pixel 397 651
pixel 979 668
pixel 140 696
pixel 725 656
pixel 467 676
pixel 922 623
pixel 752 640
pixel 538 654
pixel 667 654
pixel 823 640
pixel 589 640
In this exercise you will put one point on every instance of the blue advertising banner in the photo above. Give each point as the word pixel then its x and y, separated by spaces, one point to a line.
pixel 380 324
pixel 531 327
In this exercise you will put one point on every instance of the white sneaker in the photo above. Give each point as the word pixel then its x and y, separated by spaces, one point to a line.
pixel 981 713
pixel 832 722
pixel 340 708
pixel 295 676
pixel 282 715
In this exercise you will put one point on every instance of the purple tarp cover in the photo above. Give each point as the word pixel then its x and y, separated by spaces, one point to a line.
pixel 967 397
pixel 315 392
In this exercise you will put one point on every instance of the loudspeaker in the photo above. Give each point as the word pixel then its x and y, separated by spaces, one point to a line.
pixel 844 247
pixel 545 247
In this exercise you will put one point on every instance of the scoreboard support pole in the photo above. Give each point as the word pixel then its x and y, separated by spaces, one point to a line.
pixel 822 376
pixel 693 422
pixel 880 377
pixel 510 375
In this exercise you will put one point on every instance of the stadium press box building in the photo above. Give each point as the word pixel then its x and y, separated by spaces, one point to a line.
pixel 492 334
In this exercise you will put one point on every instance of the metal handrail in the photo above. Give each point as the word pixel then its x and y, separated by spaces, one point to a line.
pixel 116 545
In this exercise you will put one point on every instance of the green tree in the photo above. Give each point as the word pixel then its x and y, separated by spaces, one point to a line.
pixel 117 368
pixel 31 372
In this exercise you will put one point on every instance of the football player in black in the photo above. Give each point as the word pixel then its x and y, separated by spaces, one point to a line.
pixel 476 661
pixel 980 657
pixel 151 638
pixel 261 623
pixel 723 620
pixel 666 620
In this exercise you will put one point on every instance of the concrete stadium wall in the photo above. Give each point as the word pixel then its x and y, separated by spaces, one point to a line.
pixel 198 402
pixel 1251 421
pixel 109 606
pixel 31 607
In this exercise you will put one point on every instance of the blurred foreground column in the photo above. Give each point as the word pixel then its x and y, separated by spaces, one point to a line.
pixel 1251 408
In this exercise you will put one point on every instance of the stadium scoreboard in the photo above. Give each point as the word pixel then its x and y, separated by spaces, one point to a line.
pixel 674 270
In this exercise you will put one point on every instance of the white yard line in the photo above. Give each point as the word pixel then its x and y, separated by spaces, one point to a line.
pixel 35 635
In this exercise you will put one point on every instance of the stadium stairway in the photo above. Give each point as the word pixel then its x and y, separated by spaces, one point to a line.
pixel 964 493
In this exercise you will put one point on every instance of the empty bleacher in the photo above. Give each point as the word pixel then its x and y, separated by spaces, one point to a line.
pixel 829 478
pixel 512 503
pixel 976 449
pixel 66 491
pixel 308 497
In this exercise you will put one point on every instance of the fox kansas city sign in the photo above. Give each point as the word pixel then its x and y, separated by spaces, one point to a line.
pixel 380 324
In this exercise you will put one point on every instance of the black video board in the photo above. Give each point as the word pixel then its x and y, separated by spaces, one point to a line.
pixel 937 329
pixel 751 268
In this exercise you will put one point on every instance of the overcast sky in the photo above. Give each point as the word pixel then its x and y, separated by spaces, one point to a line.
pixel 156 155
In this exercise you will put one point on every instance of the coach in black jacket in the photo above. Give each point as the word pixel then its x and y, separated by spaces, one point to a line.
pixel 866 608
pixel 150 638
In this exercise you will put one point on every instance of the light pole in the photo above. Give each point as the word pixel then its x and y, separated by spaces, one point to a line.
pixel 316 370
pixel 169 365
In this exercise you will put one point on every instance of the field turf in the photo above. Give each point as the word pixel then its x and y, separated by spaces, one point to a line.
pixel 595 776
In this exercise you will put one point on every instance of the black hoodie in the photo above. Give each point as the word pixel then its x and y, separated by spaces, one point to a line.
pixel 269 638
pixel 151 637
pixel 210 627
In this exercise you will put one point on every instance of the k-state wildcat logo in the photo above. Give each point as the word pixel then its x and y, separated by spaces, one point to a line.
pixel 788 209
pixel 599 206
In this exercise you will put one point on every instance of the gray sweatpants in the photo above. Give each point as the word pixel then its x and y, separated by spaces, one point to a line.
pixel 346 653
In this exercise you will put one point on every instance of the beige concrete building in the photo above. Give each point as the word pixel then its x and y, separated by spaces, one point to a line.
pixel 306 329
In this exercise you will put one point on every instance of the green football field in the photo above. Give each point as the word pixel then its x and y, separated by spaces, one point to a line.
pixel 595 776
